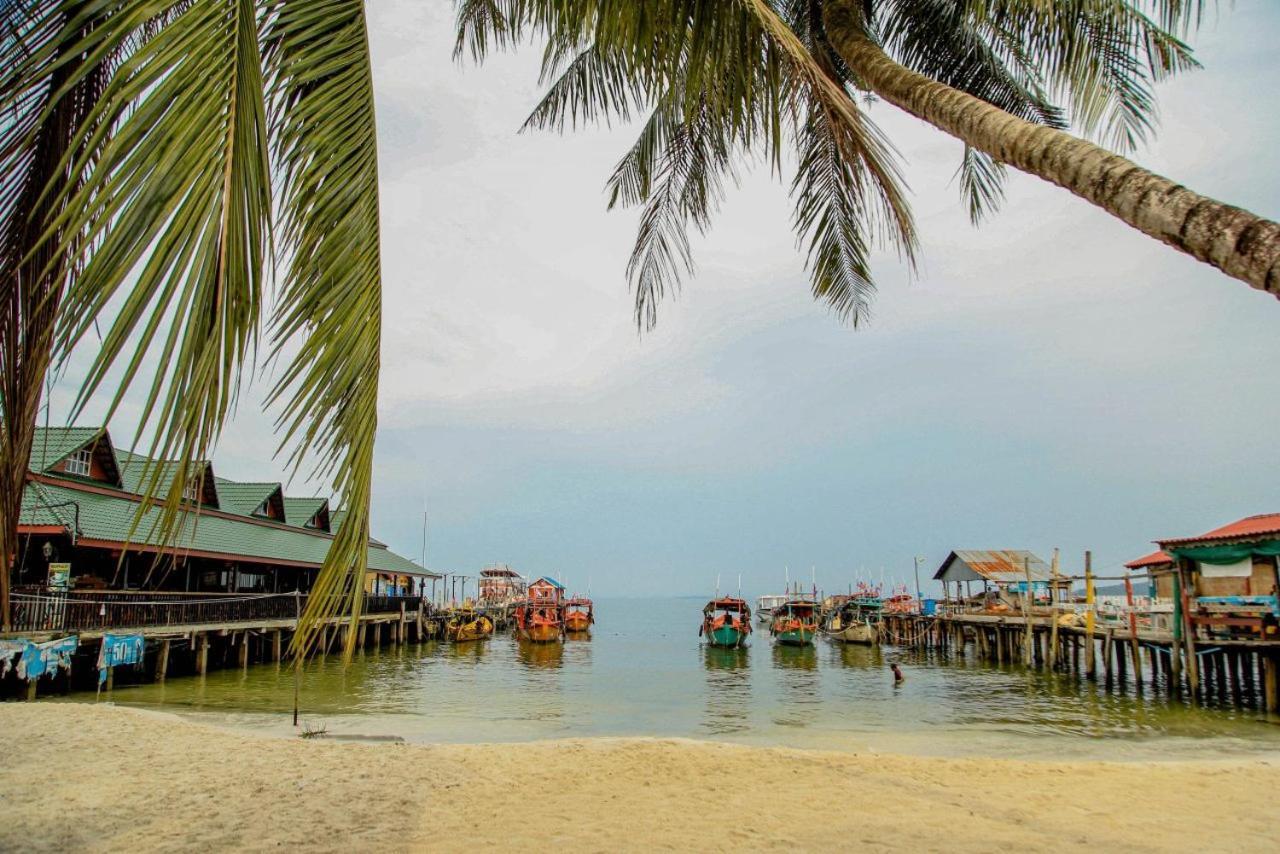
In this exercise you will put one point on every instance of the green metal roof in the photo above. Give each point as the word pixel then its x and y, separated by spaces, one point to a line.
pixel 136 472
pixel 110 517
pixel 300 511
pixel 245 498
pixel 53 444
pixel 108 513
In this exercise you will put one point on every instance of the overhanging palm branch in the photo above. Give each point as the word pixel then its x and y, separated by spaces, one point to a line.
pixel 758 68
pixel 721 83
pixel 171 226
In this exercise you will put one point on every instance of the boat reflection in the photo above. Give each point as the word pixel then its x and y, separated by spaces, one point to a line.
pixel 795 657
pixel 540 656
pixel 860 656
pixel 728 694
pixel 798 678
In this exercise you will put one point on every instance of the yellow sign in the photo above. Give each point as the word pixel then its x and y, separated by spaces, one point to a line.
pixel 59 576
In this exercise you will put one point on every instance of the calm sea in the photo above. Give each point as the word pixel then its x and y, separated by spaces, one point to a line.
pixel 644 672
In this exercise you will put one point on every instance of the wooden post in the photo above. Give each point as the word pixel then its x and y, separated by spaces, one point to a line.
pixel 1189 637
pixel 1090 667
pixel 31 688
pixel 162 661
pixel 275 646
pixel 1026 614
pixel 1270 682
pixel 1175 648
pixel 1133 637
pixel 1053 614
pixel 1232 659
pixel 1107 641
pixel 244 650
pixel 202 657
pixel 111 679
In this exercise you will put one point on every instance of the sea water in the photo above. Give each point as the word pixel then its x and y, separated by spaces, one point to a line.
pixel 645 672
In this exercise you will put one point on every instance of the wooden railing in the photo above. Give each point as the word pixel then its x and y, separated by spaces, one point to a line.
pixel 76 611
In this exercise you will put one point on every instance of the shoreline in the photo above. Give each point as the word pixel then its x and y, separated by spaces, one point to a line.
pixel 103 777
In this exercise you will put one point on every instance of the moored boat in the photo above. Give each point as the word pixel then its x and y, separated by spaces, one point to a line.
pixel 856 620
pixel 467 624
pixel 795 622
pixel 540 617
pixel 765 606
pixel 726 622
pixel 579 615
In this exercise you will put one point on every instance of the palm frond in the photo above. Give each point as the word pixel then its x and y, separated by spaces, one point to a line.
pixel 170 220
pixel 982 180
pixel 1101 56
pixel 324 133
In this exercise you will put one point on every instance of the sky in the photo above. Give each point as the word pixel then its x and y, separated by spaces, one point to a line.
pixel 1052 379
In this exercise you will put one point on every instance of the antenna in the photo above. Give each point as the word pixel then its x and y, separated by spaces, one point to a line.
pixel 424 534
pixel 739 585
pixel 717 585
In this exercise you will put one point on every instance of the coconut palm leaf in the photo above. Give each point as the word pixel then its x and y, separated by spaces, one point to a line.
pixel 174 215
pixel 325 144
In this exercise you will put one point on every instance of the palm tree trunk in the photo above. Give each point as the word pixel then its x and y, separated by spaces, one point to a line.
pixel 31 279
pixel 1237 242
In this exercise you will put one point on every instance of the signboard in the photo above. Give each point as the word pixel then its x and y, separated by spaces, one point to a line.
pixel 60 576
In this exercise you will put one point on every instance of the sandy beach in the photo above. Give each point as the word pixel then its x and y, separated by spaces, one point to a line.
pixel 80 777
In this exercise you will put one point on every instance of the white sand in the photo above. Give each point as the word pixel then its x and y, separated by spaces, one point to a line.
pixel 77 777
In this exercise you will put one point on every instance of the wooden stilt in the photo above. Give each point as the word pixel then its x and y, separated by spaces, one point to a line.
pixel 1090 665
pixel 31 688
pixel 1232 660
pixel 1271 682
pixel 202 657
pixel 162 661
pixel 275 645
pixel 1106 656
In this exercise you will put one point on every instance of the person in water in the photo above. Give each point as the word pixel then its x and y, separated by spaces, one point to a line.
pixel 898 678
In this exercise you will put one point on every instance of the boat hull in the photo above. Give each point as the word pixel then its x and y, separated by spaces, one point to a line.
pixel 542 633
pixel 860 633
pixel 795 637
pixel 577 623
pixel 726 636
pixel 473 631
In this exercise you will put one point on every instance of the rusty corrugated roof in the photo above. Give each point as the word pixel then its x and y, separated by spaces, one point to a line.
pixel 1004 566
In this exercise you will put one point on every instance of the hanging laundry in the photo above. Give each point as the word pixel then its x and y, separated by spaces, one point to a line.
pixel 46 659
pixel 117 650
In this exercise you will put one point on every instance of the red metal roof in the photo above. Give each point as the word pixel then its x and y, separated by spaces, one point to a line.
pixel 1156 558
pixel 1250 526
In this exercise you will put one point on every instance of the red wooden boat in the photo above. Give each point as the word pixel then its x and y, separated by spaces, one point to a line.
pixel 540 617
pixel 579 614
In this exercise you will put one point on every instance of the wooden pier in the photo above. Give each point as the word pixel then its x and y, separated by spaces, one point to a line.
pixel 187 634
pixel 1219 671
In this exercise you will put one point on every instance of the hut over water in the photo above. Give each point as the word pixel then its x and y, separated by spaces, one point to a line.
pixel 1004 569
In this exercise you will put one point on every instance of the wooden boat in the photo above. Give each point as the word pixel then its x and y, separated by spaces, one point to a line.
pixel 540 617
pixel 467 624
pixel 579 615
pixel 856 620
pixel 795 622
pixel 765 606
pixel 726 622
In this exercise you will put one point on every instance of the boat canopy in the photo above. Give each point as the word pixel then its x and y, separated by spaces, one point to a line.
pixel 727 604
pixel 798 606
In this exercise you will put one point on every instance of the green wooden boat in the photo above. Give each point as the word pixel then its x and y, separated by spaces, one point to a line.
pixel 795 623
pixel 726 622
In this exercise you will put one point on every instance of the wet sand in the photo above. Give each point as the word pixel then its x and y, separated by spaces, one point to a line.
pixel 80 777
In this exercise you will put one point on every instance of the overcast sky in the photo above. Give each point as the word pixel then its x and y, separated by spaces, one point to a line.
pixel 1051 379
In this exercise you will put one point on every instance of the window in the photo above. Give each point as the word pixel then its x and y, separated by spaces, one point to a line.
pixel 78 463
pixel 191 491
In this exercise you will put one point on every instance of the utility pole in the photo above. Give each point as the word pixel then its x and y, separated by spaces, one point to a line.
pixel 919 601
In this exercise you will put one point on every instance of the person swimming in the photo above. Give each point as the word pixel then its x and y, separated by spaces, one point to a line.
pixel 898 678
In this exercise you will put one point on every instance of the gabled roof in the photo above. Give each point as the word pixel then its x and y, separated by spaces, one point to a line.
pixel 549 580
pixel 1004 566
pixel 51 445
pixel 1156 558
pixel 302 511
pixel 247 499
pixel 1264 526
pixel 337 517
pixel 137 471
